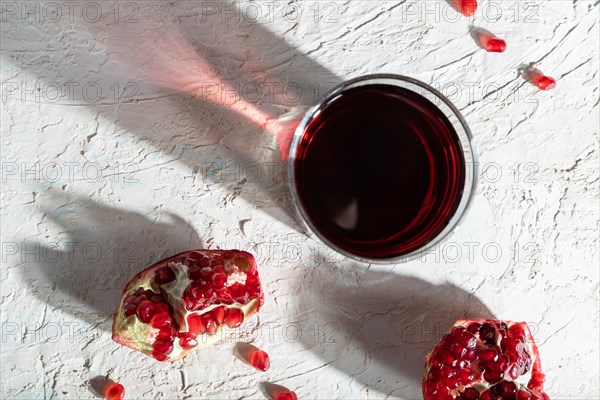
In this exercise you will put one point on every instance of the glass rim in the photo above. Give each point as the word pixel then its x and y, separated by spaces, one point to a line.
pixel 454 117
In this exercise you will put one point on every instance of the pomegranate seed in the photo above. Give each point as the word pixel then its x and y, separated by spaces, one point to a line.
pixel 114 391
pixel 164 275
pixel 474 327
pixel 457 350
pixel 195 272
pixel 161 308
pixel 495 45
pixel 466 7
pixel 219 280
pixel 488 354
pixel 211 325
pixel 162 346
pixel 493 376
pixel 544 82
pixel 234 317
pixel 139 292
pixel 130 309
pixel 166 334
pixel 487 333
pixel 161 321
pixel 219 314
pixel 130 299
pixel 145 311
pixel 187 340
pixel 159 356
pixel 470 393
pixel 196 324
pixel 260 360
pixel 523 395
pixel 287 395
pixel 487 395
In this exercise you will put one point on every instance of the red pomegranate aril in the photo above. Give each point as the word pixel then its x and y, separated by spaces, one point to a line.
pixel 161 346
pixel 159 356
pixel 286 395
pixel 219 314
pixel 487 395
pixel 164 275
pixel 457 350
pixel 114 391
pixel 495 45
pixel 219 280
pixel 544 82
pixel 466 7
pixel 130 309
pixel 195 272
pixel 234 317
pixel 470 393
pixel 161 321
pixel 145 311
pixel 260 360
pixel 488 354
pixel 474 327
pixel 493 376
pixel 211 325
pixel 196 324
pixel 187 340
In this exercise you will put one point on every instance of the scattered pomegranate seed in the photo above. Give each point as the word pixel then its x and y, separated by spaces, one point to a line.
pixel 537 78
pixel 466 7
pixel 287 395
pixel 544 82
pixel 260 360
pixel 114 391
pixel 495 45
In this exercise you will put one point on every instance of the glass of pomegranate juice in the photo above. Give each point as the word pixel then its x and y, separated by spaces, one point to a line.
pixel 382 168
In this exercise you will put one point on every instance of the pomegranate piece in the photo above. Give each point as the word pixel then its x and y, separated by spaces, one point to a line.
pixel 544 82
pixel 114 391
pixel 485 360
pixel 167 307
pixel 260 360
pixel 466 7
pixel 537 78
pixel 488 41
pixel 286 395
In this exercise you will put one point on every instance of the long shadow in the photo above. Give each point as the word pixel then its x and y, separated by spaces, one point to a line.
pixel 98 250
pixel 218 82
pixel 377 327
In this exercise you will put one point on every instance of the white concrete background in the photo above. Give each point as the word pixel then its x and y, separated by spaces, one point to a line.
pixel 126 164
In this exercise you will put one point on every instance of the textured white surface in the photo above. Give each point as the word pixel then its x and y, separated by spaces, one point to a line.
pixel 130 163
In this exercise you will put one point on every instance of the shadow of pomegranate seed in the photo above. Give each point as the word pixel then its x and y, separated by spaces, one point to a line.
pixel 98 385
pixel 252 355
pixel 277 392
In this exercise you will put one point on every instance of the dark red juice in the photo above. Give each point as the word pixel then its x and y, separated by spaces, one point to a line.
pixel 379 171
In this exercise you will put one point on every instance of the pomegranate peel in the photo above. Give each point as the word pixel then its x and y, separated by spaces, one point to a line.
pixel 184 302
pixel 485 359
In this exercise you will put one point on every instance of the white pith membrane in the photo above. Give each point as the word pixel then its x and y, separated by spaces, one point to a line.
pixel 521 382
pixel 140 336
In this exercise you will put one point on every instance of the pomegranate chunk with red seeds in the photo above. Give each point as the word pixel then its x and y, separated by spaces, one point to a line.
pixel 114 391
pixel 167 307
pixel 485 360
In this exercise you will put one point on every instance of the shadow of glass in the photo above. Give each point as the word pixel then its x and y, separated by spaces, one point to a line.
pixel 203 87
pixel 377 327
pixel 99 249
